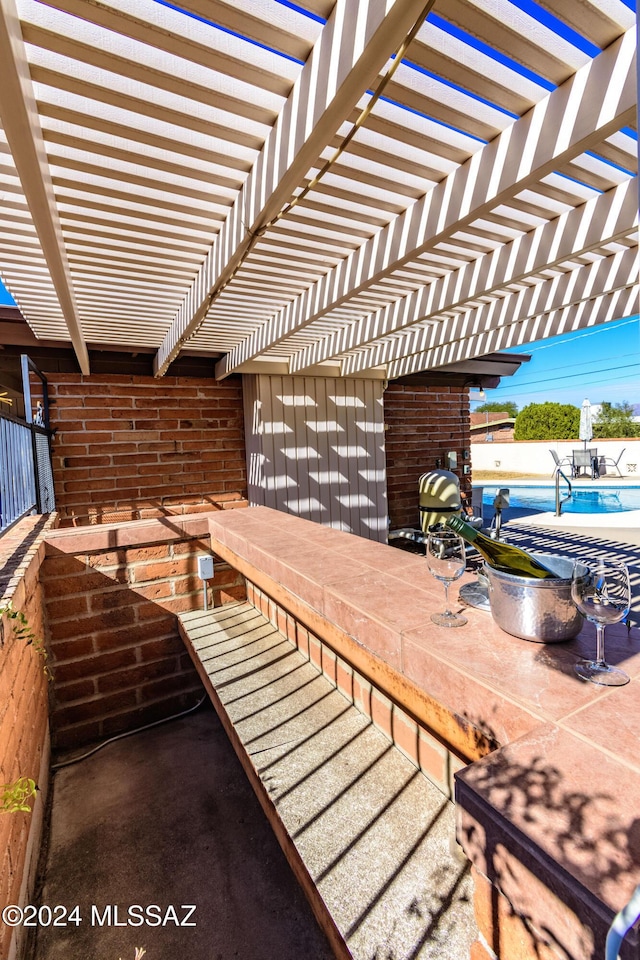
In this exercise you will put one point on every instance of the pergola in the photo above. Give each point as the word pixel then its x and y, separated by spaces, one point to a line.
pixel 357 205
pixel 339 188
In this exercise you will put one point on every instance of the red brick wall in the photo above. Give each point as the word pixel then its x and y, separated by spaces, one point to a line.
pixel 423 425
pixel 23 703
pixel 117 658
pixel 129 447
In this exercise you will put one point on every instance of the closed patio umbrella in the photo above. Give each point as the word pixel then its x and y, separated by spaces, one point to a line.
pixel 586 428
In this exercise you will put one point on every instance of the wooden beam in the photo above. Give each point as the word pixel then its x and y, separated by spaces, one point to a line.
pixel 512 333
pixel 19 117
pixel 545 296
pixel 344 61
pixel 570 235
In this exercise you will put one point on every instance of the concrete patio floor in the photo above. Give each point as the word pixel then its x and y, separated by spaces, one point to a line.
pixel 620 527
pixel 168 817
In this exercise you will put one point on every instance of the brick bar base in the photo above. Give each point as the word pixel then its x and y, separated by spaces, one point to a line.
pixel 505 935
pixel 117 658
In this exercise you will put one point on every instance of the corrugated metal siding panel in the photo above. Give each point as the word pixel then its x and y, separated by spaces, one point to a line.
pixel 253 446
pixel 315 448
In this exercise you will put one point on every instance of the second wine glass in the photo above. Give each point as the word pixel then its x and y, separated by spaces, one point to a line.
pixel 446 557
pixel 601 591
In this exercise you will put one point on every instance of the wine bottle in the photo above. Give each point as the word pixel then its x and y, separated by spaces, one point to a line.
pixel 501 556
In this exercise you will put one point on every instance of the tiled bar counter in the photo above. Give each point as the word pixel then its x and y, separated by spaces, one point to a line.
pixel 547 775
pixel 549 801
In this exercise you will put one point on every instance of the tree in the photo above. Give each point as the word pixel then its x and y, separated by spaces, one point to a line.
pixel 614 420
pixel 548 421
pixel 498 406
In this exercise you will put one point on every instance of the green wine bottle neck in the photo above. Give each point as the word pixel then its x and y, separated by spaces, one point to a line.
pixel 502 556
pixel 464 529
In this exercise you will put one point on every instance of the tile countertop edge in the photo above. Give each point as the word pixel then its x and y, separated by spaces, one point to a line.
pixel 132 533
pixel 539 800
pixel 501 717
pixel 380 666
pixel 246 535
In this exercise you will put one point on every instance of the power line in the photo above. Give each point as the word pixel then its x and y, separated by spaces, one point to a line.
pixel 514 392
pixel 568 375
pixel 577 365
pixel 598 330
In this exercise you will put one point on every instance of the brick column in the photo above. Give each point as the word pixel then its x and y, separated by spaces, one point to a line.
pixel 422 425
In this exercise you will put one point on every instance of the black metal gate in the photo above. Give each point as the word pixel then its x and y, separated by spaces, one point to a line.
pixel 26 475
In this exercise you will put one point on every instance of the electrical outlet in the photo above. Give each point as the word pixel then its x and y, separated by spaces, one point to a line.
pixel 205 568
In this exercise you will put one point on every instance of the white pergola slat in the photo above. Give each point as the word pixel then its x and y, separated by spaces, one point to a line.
pixel 342 64
pixel 490 194
pixel 588 107
pixel 587 313
pixel 564 238
pixel 19 119
pixel 607 275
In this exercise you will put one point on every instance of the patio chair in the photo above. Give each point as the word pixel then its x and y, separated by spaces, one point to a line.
pixel 585 460
pixel 560 463
pixel 609 461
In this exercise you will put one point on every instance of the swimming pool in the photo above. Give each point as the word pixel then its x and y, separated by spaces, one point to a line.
pixel 535 499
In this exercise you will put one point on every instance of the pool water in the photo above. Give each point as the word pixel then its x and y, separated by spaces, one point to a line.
pixel 595 499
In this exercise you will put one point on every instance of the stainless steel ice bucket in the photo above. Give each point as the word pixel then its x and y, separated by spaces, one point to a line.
pixel 540 610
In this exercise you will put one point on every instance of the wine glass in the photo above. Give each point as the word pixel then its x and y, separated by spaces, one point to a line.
pixel 601 591
pixel 447 560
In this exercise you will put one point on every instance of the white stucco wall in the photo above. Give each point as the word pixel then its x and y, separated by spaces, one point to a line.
pixel 533 456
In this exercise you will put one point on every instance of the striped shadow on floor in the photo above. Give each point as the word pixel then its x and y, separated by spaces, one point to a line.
pixel 579 545
pixel 368 836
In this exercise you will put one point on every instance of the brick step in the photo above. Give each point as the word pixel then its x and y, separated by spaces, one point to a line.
pixel 367 834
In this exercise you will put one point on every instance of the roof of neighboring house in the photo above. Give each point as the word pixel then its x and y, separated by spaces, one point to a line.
pixel 479 421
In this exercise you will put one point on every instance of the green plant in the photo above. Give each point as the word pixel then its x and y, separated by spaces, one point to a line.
pixel 548 421
pixel 615 420
pixel 14 796
pixel 140 952
pixel 498 406
pixel 23 631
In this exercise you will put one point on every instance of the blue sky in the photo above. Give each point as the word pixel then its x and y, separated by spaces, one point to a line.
pixel 5 298
pixel 601 363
